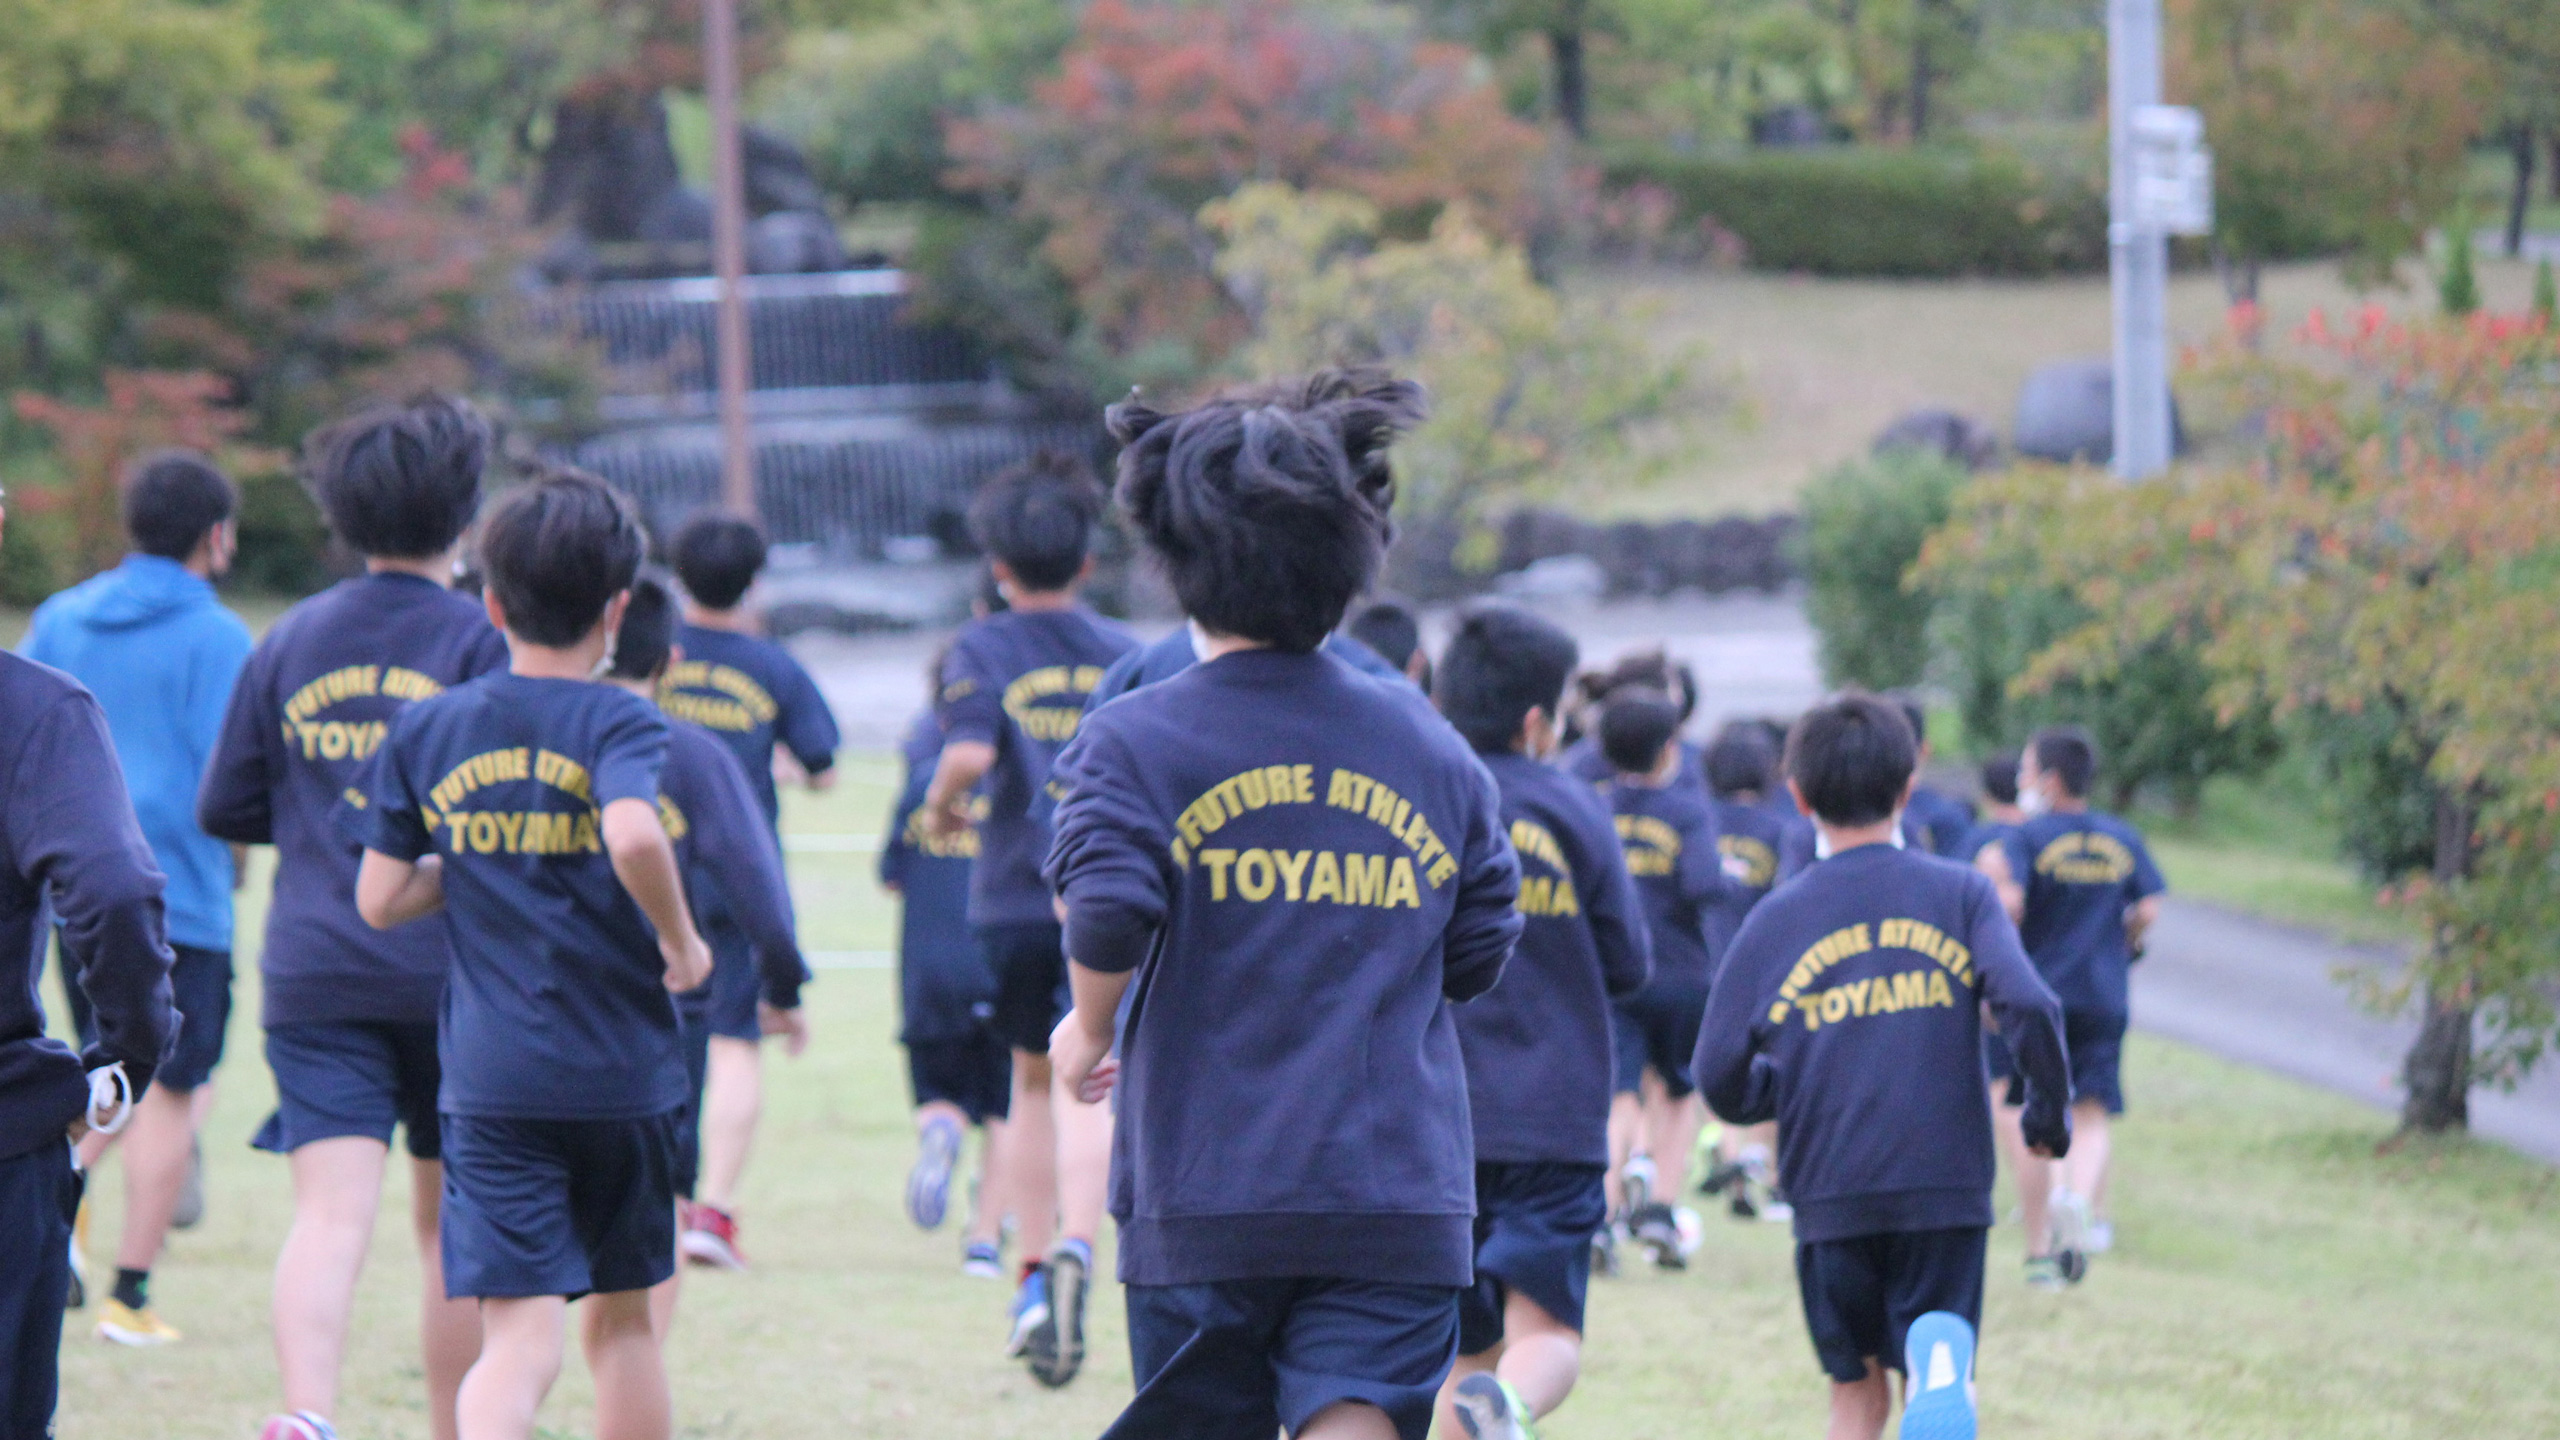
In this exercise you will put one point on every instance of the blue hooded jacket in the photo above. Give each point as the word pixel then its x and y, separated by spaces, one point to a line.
pixel 160 652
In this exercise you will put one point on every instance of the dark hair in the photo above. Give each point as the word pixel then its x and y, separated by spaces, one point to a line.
pixel 171 498
pixel 2067 751
pixel 1389 628
pixel 1915 717
pixel 1739 760
pixel 647 638
pixel 1038 518
pixel 1268 509
pixel 400 480
pixel 1853 757
pixel 1647 670
pixel 1635 725
pixel 1502 663
pixel 717 557
pixel 2000 777
pixel 556 551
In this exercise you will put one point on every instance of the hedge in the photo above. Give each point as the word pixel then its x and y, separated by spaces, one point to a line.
pixel 1871 211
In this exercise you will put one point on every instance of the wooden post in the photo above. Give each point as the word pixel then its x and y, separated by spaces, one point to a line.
pixel 729 253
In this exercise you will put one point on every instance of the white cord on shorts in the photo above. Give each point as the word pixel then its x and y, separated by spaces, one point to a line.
pixel 110 1098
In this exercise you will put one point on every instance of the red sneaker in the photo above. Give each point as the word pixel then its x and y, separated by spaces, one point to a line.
pixel 711 1238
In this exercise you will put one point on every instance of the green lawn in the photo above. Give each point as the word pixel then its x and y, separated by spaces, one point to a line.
pixel 2276 1277
pixel 2269 845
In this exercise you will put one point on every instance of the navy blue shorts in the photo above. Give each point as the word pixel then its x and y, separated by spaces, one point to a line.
pixel 1534 1223
pixel 200 988
pixel 974 1072
pixel 38 1193
pixel 2096 1042
pixel 1245 1359
pixel 353 1077
pixel 1862 1293
pixel 1032 995
pixel 1657 1026
pixel 557 1207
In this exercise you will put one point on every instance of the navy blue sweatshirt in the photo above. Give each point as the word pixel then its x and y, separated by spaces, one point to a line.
pixel 318 695
pixel 1018 681
pixel 1305 865
pixel 944 986
pixel 1583 760
pixel 1539 1065
pixel 1849 1011
pixel 2081 871
pixel 752 695
pixel 1170 656
pixel 726 850
pixel 67 830
pixel 1670 838
pixel 1938 821
pixel 1749 837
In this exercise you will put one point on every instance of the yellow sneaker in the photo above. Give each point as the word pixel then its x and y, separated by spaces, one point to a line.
pixel 125 1325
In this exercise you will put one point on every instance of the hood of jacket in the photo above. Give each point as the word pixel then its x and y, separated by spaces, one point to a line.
pixel 144 590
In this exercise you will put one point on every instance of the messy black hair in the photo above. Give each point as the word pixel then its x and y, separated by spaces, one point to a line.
pixel 1646 670
pixel 172 498
pixel 1502 663
pixel 1740 760
pixel 1853 757
pixel 1389 627
pixel 717 556
pixel 556 551
pixel 1636 723
pixel 2000 777
pixel 2067 751
pixel 401 481
pixel 1268 508
pixel 1914 716
pixel 647 639
pixel 1038 517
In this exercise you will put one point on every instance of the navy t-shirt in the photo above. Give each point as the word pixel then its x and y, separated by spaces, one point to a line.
pixel 754 696
pixel 2081 871
pixel 315 701
pixel 1537 1045
pixel 1304 864
pixel 1849 1011
pixel 1749 838
pixel 945 989
pixel 1984 835
pixel 1670 838
pixel 1938 821
pixel 730 859
pixel 558 1007
pixel 1582 760
pixel 1018 681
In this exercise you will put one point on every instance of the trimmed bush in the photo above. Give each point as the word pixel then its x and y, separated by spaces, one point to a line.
pixel 1866 211
pixel 1863 526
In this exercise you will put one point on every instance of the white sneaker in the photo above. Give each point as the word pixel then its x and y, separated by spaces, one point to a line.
pixel 2101 1237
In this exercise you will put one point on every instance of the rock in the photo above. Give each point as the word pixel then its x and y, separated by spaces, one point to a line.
pixel 1960 438
pixel 1557 578
pixel 2066 412
pixel 793 242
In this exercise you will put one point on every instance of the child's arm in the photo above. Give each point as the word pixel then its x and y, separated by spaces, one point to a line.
pixel 1079 1048
pixel 1732 1074
pixel 2145 885
pixel 645 861
pixel 971 710
pixel 235 801
pixel 1485 923
pixel 391 891
pixel 1702 877
pixel 1610 906
pixel 2030 1020
pixel 1109 867
pixel 736 849
pixel 1993 861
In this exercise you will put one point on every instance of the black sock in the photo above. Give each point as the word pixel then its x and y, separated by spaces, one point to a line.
pixel 133 1288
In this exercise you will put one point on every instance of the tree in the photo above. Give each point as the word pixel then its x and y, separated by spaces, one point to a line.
pixel 2516 45
pixel 1864 524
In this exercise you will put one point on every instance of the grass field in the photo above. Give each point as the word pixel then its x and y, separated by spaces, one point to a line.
pixel 2275 1276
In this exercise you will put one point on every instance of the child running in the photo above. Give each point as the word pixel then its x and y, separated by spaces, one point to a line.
pixel 525 808
pixel 1537 1046
pixel 750 693
pixel 1012 692
pixel 1742 768
pixel 2000 812
pixel 1671 843
pixel 1849 1011
pixel 1300 867
pixel 2084 891
pixel 350 1012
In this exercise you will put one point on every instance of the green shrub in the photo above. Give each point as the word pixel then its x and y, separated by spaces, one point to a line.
pixel 284 545
pixel 1863 525
pixel 1864 211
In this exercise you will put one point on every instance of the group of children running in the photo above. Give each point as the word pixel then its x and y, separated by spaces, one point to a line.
pixel 1373 995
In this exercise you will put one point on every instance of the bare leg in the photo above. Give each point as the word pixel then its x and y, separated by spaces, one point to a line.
pixel 987 1225
pixel 1541 1356
pixel 1084 1164
pixel 1671 1135
pixel 156 1146
pixel 2092 1147
pixel 516 1368
pixel 448 1329
pixel 933 1110
pixel 1349 1420
pixel 1859 1409
pixel 1626 1117
pixel 632 1399
pixel 2034 1174
pixel 732 1099
pixel 337 1187
pixel 1032 1155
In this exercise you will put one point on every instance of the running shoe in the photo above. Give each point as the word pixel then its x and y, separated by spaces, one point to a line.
pixel 1030 1313
pixel 1489 1409
pixel 1691 1230
pixel 1658 1231
pixel 122 1324
pixel 2101 1237
pixel 711 1238
pixel 1604 1251
pixel 2070 1224
pixel 299 1425
pixel 190 1209
pixel 982 1261
pixel 2044 1272
pixel 929 1183
pixel 1636 1183
pixel 1937 1359
pixel 1724 1176
pixel 1776 1210
pixel 1070 1270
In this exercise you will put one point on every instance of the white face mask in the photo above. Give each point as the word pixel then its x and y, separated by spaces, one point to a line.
pixel 2033 802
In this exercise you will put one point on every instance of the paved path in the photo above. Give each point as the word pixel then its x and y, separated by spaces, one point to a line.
pixel 2249 989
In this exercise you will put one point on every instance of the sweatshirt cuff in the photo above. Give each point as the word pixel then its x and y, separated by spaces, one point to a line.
pixel 1106 938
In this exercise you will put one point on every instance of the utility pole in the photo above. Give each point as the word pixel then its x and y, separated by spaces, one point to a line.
pixel 2137 247
pixel 729 253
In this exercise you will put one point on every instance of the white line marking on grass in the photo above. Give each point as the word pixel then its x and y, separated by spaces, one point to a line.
pixel 849 959
pixel 832 844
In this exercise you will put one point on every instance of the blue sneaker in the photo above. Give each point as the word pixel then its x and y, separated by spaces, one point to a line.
pixel 1056 1350
pixel 929 1183
pixel 1030 1312
pixel 1937 1357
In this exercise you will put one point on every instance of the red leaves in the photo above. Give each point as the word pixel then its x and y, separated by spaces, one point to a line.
pixel 144 410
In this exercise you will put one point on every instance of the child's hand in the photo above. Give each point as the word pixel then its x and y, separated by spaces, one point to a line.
pixel 790 1024
pixel 1081 1059
pixel 688 961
